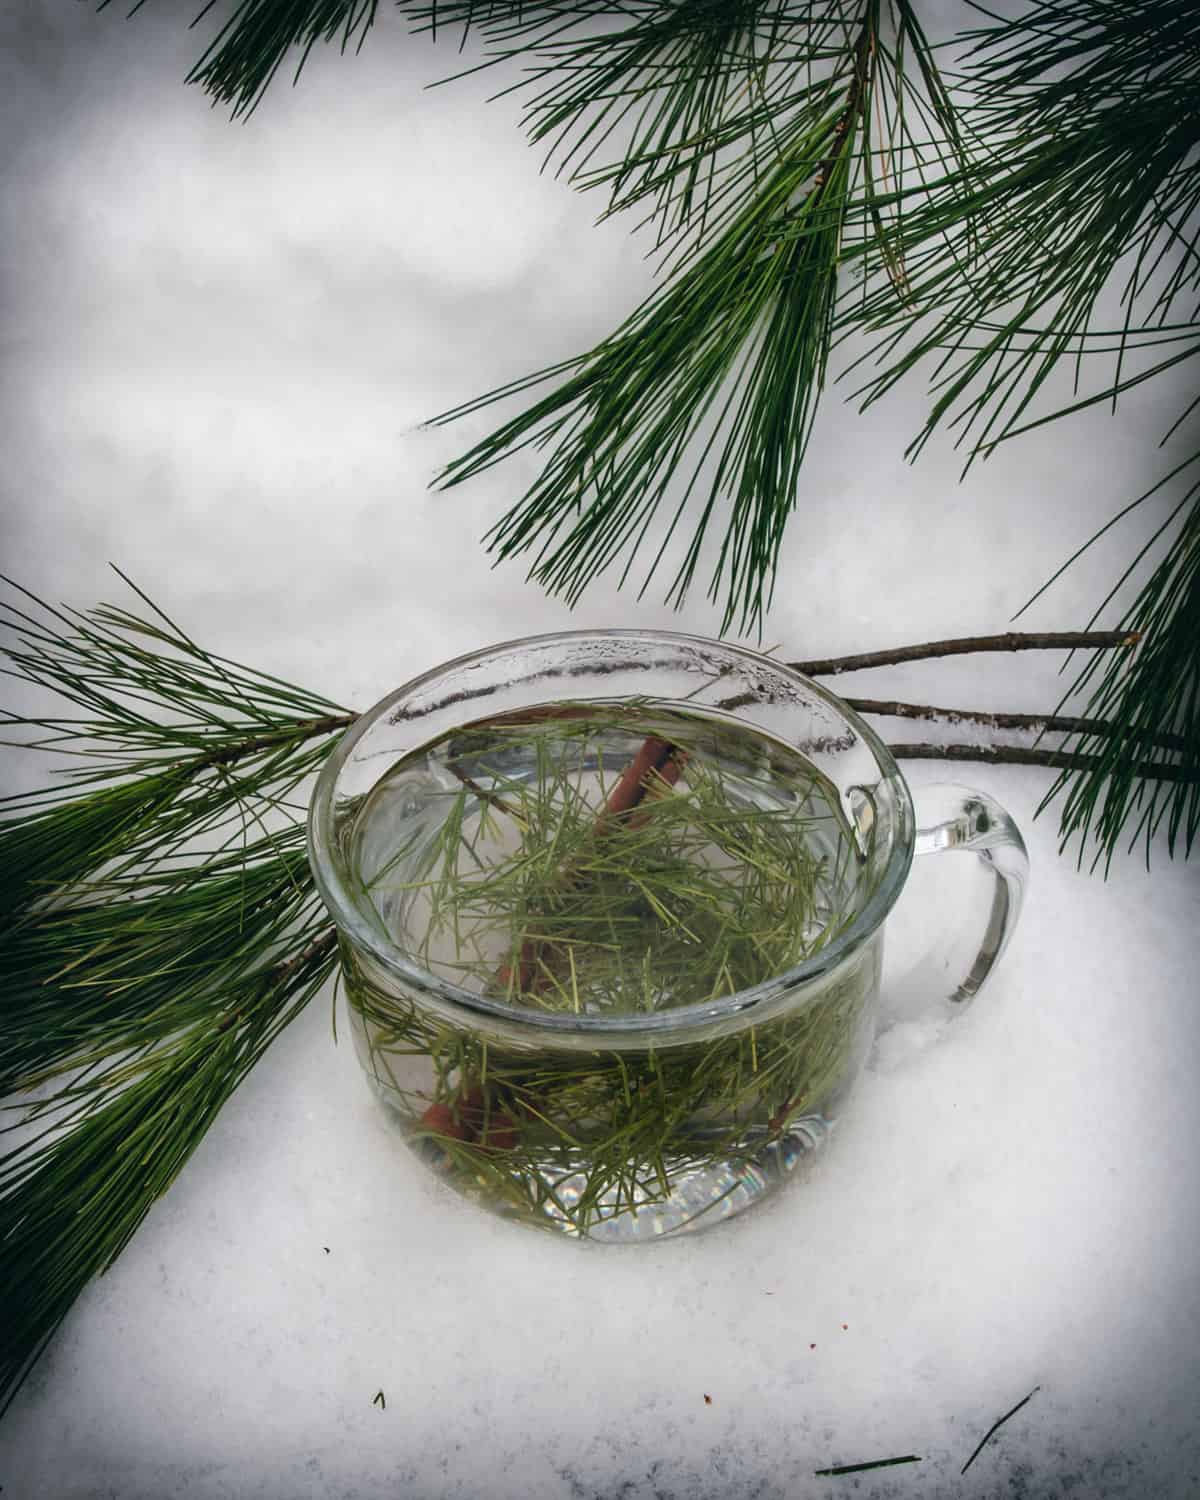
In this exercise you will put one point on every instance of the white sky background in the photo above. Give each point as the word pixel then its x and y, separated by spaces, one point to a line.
pixel 218 343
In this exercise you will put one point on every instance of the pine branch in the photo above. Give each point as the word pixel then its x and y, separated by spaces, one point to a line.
pixel 1155 691
pixel 1043 723
pixel 720 370
pixel 1089 190
pixel 1088 187
pixel 1067 640
pixel 1087 129
pixel 163 927
pixel 174 743
pixel 107 1147
pixel 126 961
pixel 1017 755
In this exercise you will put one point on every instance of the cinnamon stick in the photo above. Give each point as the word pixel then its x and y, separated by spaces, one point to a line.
pixel 656 759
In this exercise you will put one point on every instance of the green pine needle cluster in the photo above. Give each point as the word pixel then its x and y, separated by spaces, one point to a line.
pixel 160 928
pixel 701 894
pixel 1083 197
pixel 1164 670
pixel 761 162
pixel 92 1159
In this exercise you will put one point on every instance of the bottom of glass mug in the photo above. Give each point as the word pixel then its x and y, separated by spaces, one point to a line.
pixel 699 1197
pixel 702 1197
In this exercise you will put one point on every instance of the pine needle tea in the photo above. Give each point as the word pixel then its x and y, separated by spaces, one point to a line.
pixel 605 861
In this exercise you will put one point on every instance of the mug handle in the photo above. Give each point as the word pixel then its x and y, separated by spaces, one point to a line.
pixel 962 954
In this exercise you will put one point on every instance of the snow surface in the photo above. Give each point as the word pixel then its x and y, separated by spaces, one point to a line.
pixel 219 341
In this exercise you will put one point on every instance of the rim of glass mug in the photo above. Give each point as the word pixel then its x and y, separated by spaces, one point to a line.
pixel 330 869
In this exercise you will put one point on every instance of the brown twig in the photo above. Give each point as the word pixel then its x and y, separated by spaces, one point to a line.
pixel 306 729
pixel 1018 755
pixel 1054 723
pixel 483 794
pixel 1072 640
pixel 1012 640
pixel 324 942
pixel 655 761
pixel 468 1116
pixel 864 51
pixel 184 771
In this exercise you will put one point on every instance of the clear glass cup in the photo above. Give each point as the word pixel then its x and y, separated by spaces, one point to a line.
pixel 634 1119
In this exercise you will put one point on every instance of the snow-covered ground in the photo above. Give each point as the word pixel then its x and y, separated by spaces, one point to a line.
pixel 219 342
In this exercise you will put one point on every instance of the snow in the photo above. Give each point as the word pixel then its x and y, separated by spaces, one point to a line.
pixel 220 343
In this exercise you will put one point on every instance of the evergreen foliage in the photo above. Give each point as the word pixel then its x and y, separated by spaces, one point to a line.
pixel 1026 212
pixel 160 925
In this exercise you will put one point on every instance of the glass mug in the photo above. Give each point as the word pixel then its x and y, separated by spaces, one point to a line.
pixel 668 1054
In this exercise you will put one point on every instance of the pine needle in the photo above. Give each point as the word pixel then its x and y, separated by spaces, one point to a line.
pixel 161 929
pixel 996 1426
pixel 878 1463
pixel 717 375
pixel 1154 690
pixel 109 1144
pixel 1088 186
pixel 693 892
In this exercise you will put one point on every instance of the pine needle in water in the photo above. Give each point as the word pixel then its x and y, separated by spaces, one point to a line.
pixel 695 894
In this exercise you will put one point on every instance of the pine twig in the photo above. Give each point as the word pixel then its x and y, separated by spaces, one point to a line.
pixel 1044 723
pixel 1018 755
pixel 714 380
pixel 154 949
pixel 1012 640
pixel 1073 640
pixel 294 734
pixel 995 1427
pixel 319 948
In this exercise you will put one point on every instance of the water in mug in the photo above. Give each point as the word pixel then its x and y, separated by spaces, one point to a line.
pixel 610 860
